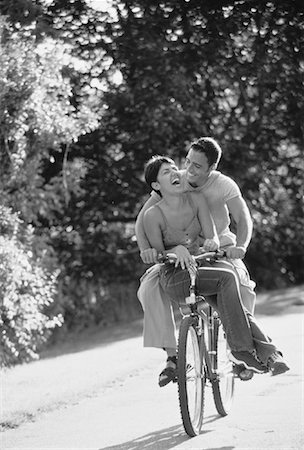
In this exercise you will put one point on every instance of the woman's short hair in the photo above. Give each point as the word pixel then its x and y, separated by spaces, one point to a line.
pixel 152 168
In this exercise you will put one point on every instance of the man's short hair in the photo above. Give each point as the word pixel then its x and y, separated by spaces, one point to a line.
pixel 152 168
pixel 209 147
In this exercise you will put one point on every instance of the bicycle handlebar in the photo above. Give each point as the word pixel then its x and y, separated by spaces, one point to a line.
pixel 211 256
pixel 172 257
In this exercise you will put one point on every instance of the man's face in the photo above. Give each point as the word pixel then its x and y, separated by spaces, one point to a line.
pixel 197 168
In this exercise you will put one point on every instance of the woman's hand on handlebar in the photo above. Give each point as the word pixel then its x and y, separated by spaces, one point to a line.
pixel 210 245
pixel 183 257
pixel 149 256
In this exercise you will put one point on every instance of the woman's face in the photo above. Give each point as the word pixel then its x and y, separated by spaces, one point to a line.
pixel 168 179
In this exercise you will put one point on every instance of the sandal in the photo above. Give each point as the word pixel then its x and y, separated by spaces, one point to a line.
pixel 169 373
pixel 242 373
pixel 246 375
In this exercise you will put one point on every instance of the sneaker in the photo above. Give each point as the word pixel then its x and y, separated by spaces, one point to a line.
pixel 276 364
pixel 248 360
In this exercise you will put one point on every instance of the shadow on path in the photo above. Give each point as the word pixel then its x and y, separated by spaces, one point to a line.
pixel 160 440
pixel 164 439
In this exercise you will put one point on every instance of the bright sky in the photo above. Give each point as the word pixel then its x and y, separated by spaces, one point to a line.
pixel 102 5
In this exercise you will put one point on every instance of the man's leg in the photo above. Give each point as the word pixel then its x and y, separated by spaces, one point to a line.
pixel 248 299
pixel 219 279
pixel 246 285
pixel 266 351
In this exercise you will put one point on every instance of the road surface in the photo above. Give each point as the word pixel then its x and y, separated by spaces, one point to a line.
pixel 128 411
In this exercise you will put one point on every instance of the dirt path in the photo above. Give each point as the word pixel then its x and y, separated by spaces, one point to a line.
pixel 105 395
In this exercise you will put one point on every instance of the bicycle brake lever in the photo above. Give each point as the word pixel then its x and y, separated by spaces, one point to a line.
pixel 161 257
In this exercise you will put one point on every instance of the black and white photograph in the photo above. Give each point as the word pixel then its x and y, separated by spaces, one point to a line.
pixel 151 225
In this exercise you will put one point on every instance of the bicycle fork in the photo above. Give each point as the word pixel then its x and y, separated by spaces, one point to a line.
pixel 207 353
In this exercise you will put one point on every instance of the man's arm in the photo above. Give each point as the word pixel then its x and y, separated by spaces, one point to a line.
pixel 211 241
pixel 147 254
pixel 241 215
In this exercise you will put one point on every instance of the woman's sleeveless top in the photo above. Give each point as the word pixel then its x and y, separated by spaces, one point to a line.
pixel 189 237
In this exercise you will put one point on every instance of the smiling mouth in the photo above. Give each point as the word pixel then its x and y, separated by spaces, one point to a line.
pixel 175 181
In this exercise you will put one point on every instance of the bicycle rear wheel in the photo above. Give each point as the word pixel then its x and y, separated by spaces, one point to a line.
pixel 190 377
pixel 223 386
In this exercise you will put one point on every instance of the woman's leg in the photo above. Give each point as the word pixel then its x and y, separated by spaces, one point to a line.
pixel 159 325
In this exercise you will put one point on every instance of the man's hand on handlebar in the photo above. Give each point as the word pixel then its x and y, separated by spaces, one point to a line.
pixel 149 256
pixel 235 252
pixel 210 245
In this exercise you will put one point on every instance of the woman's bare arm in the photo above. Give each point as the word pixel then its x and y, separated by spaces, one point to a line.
pixel 152 228
pixel 142 241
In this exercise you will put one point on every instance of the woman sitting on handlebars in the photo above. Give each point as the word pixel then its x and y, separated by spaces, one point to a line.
pixel 174 225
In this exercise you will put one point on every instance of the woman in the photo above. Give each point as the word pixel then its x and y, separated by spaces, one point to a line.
pixel 174 225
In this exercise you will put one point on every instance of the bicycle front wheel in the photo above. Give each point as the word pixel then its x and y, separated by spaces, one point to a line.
pixel 190 377
pixel 223 386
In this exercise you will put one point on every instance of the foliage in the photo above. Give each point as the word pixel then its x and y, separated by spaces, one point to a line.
pixel 231 71
pixel 27 291
pixel 38 122
pixel 97 260
pixel 87 96
pixel 37 119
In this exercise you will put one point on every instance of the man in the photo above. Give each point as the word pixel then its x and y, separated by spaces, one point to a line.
pixel 223 197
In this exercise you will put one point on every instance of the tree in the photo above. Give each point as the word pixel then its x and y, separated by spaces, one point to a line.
pixel 38 124
pixel 37 120
pixel 227 69
pixel 139 79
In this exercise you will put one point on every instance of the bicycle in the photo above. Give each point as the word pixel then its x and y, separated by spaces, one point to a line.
pixel 202 356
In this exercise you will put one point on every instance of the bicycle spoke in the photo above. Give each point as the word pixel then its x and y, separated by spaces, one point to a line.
pixel 223 387
pixel 190 379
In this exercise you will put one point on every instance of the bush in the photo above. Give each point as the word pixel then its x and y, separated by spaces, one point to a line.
pixel 27 291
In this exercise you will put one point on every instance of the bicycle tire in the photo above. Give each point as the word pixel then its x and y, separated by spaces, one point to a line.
pixel 223 386
pixel 190 377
